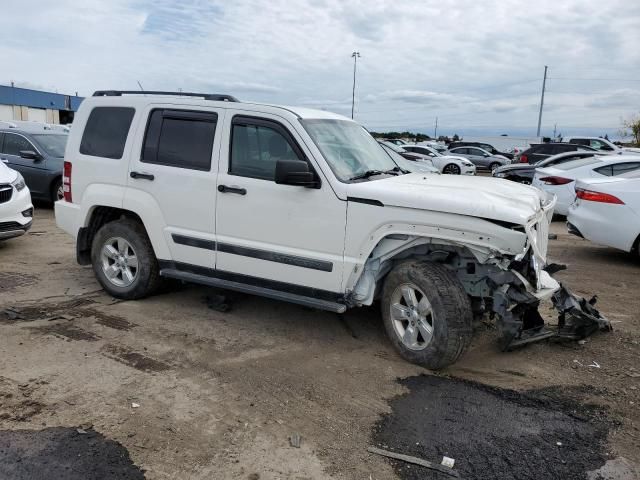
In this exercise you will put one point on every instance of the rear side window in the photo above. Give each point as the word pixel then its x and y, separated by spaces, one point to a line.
pixel 105 133
pixel 180 138
pixel 582 162
pixel 620 168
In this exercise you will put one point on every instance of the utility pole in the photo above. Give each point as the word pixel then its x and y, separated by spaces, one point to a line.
pixel 544 84
pixel 435 130
pixel 356 56
pixel 555 126
pixel 140 85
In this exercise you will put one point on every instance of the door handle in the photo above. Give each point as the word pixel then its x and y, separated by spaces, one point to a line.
pixel 142 176
pixel 236 190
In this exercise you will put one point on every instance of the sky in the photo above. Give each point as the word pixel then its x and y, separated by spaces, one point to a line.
pixel 476 65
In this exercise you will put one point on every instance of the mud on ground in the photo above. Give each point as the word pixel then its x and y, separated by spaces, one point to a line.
pixel 218 395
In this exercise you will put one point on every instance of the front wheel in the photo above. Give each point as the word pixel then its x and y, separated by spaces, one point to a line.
pixel 426 313
pixel 494 165
pixel 123 260
pixel 451 169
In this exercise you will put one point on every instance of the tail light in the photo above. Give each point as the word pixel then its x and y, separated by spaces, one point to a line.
pixel 524 158
pixel 556 180
pixel 66 181
pixel 597 197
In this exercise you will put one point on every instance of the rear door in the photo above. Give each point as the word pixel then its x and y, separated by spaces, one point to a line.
pixel 33 171
pixel 172 171
pixel 477 156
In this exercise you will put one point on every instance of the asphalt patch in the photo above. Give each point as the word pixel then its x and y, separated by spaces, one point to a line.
pixel 67 331
pixel 493 433
pixel 63 453
pixel 12 280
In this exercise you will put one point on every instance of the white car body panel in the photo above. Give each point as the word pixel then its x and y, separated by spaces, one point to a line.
pixel 566 194
pixel 11 211
pixel 441 161
pixel 609 224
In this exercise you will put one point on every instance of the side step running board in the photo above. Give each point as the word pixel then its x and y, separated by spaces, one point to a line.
pixel 251 289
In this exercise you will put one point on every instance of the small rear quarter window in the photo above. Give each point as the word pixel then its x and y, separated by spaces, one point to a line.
pixel 105 133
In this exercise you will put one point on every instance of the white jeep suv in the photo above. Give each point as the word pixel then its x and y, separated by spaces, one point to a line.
pixel 304 206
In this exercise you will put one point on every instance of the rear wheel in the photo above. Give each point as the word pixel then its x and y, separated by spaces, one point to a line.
pixel 451 169
pixel 427 314
pixel 494 165
pixel 123 260
pixel 57 193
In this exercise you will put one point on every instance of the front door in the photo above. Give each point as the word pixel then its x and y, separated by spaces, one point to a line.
pixel 283 236
pixel 30 169
pixel 172 178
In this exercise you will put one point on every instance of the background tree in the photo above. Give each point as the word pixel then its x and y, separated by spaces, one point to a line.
pixel 631 128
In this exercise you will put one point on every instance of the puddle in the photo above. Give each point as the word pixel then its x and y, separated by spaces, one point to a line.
pixel 135 360
pixel 493 433
pixel 63 453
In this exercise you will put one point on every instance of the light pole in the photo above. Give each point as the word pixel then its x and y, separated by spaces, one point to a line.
pixel 544 84
pixel 355 56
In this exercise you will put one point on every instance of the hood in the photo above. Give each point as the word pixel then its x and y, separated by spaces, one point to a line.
pixel 515 166
pixel 7 175
pixel 482 197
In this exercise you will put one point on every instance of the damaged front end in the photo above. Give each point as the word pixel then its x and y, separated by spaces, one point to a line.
pixel 515 301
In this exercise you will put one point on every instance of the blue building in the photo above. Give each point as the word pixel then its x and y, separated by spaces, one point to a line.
pixel 35 105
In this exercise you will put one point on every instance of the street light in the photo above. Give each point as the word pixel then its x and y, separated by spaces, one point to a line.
pixel 356 56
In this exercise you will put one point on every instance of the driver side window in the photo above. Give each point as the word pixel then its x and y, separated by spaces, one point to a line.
pixel 256 146
pixel 13 144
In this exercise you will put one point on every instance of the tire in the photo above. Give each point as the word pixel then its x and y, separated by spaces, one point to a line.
pixel 450 318
pixel 494 165
pixel 451 169
pixel 145 276
pixel 56 190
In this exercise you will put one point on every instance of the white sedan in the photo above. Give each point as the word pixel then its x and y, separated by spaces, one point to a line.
pixel 16 210
pixel 560 179
pixel 607 211
pixel 445 163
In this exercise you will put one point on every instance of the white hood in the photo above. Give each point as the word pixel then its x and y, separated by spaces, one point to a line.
pixel 7 175
pixel 482 197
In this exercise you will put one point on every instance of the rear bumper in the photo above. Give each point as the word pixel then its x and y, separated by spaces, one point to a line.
pixel 606 224
pixel 68 217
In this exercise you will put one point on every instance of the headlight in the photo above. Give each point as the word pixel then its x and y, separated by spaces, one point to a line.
pixel 19 183
pixel 499 174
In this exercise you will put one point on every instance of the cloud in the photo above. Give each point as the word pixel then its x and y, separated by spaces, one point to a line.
pixel 469 63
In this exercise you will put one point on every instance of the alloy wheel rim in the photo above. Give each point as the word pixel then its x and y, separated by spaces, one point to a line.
pixel 452 169
pixel 412 316
pixel 119 262
pixel 60 192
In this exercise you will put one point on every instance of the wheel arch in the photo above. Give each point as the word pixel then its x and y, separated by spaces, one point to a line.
pixel 98 216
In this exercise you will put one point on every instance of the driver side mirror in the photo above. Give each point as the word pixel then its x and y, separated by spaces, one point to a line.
pixel 30 155
pixel 295 172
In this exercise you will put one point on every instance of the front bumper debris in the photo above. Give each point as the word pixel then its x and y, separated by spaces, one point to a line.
pixel 520 323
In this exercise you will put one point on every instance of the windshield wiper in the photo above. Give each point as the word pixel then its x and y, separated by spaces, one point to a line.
pixel 372 173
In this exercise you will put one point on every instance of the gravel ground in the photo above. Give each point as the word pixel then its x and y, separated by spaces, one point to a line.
pixel 189 392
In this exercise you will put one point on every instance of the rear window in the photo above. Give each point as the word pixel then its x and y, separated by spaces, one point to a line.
pixel 106 132
pixel 583 162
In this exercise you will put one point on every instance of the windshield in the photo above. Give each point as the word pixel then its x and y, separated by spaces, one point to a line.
pixel 348 148
pixel 52 144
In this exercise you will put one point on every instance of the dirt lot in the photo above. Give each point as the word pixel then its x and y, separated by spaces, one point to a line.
pixel 189 392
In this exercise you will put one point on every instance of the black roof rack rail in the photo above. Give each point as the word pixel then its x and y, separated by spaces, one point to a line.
pixel 207 96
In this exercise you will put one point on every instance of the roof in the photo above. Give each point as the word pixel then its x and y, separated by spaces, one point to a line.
pixel 133 98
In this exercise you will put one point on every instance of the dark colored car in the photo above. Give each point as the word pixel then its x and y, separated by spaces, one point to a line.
pixel 524 172
pixel 485 146
pixel 540 151
pixel 38 155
